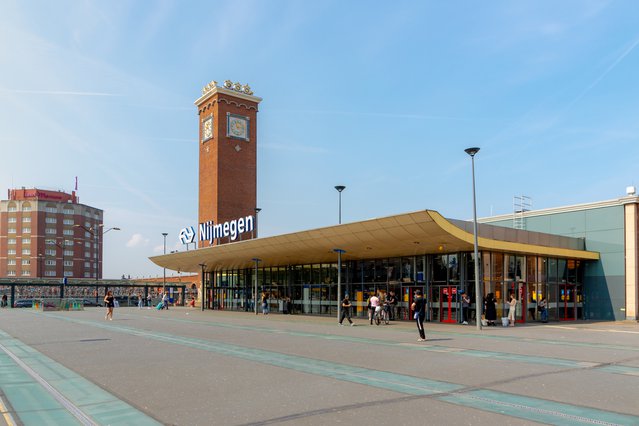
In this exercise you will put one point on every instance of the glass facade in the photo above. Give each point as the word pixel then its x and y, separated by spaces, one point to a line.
pixel 312 289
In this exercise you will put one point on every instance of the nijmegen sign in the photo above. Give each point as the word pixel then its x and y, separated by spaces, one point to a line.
pixel 209 231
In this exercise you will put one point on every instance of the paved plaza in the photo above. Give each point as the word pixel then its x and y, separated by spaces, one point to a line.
pixel 188 367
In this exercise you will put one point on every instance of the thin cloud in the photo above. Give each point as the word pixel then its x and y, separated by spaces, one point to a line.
pixel 137 240
pixel 59 93
pixel 378 114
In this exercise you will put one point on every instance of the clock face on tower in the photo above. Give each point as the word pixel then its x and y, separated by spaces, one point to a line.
pixel 207 129
pixel 237 127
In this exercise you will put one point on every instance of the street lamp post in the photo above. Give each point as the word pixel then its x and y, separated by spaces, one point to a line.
pixel 256 260
pixel 339 281
pixel 61 247
pixel 164 234
pixel 478 298
pixel 340 188
pixel 94 232
pixel 202 265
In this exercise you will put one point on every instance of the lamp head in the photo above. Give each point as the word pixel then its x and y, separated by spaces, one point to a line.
pixel 340 188
pixel 472 151
pixel 257 209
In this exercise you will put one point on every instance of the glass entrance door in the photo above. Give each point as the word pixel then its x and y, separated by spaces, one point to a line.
pixel 567 306
pixel 519 290
pixel 448 307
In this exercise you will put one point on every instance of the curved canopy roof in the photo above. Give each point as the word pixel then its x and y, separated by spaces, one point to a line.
pixel 409 234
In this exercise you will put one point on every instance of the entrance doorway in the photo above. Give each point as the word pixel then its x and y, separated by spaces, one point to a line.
pixel 448 306
pixel 567 307
pixel 519 290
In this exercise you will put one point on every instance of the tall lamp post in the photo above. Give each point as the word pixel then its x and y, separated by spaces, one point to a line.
pixel 478 298
pixel 256 260
pixel 164 234
pixel 340 188
pixel 61 247
pixel 96 234
pixel 202 265
pixel 339 281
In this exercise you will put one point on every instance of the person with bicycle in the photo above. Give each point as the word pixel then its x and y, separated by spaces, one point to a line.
pixel 373 302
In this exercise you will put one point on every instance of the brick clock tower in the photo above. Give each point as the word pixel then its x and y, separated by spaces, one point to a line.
pixel 228 160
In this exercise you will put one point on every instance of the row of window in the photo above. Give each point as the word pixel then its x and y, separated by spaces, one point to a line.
pixel 27 273
pixel 51 252
pixel 26 207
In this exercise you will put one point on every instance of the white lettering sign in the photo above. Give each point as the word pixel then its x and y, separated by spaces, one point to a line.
pixel 209 231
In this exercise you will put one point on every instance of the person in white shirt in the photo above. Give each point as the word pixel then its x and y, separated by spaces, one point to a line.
pixel 373 303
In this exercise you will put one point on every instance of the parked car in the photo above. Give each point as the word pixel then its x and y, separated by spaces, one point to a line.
pixel 23 303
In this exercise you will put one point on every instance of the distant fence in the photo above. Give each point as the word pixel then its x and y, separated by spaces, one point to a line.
pixel 19 293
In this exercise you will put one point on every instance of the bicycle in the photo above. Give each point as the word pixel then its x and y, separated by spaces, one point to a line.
pixel 382 314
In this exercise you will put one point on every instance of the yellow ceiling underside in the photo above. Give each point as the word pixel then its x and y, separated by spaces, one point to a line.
pixel 409 234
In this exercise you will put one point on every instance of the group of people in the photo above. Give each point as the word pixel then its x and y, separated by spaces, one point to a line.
pixel 490 309
pixel 375 304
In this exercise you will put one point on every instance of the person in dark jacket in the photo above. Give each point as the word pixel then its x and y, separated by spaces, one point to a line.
pixel 419 313
pixel 490 309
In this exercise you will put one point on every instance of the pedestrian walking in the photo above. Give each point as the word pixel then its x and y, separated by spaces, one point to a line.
pixel 165 301
pixel 264 304
pixel 148 300
pixel 543 309
pixel 346 311
pixel 109 302
pixel 419 314
pixel 140 301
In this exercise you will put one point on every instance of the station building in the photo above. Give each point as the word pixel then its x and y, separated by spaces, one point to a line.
pixel 582 259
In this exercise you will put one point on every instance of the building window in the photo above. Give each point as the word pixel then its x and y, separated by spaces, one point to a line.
pixel 25 262
pixel 68 263
pixel 26 251
pixel 12 230
pixel 50 220
pixel 11 241
pixel 68 252
pixel 26 272
pixel 68 232
pixel 87 234
pixel 68 211
pixel 11 251
pixel 87 224
pixel 50 252
pixel 26 208
pixel 12 220
pixel 68 221
pixel 49 262
pixel 26 219
pixel 87 264
pixel 26 230
pixel 11 209
pixel 68 273
pixel 26 241
pixel 51 210
pixel 11 273
pixel 50 231
pixel 87 244
pixel 87 275
pixel 11 262
pixel 49 273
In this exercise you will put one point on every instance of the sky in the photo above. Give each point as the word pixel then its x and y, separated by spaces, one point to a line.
pixel 382 97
